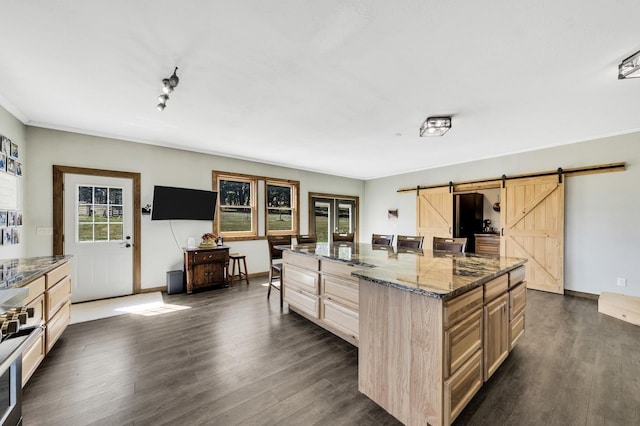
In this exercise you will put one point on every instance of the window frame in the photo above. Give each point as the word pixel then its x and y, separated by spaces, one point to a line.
pixel 259 207
pixel 294 186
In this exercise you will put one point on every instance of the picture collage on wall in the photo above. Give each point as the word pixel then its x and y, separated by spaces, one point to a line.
pixel 10 220
pixel 9 157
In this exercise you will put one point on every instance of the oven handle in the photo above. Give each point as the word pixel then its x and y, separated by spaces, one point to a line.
pixel 15 353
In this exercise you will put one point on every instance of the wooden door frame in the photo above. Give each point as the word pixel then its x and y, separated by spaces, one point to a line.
pixel 59 173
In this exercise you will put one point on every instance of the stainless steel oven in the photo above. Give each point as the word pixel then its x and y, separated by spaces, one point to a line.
pixel 15 337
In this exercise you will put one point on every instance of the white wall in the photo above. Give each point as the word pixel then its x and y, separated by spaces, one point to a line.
pixel 157 166
pixel 602 211
pixel 13 129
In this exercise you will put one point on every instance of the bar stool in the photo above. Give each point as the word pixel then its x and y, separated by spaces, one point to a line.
pixel 241 275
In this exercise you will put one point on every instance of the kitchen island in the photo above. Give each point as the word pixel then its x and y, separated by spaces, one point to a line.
pixel 431 327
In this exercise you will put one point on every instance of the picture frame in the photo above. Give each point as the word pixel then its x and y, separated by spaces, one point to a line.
pixel 11 218
pixel 5 146
pixel 11 166
pixel 7 236
pixel 3 218
pixel 15 236
pixel 3 162
pixel 19 218
pixel 14 150
pixel 18 169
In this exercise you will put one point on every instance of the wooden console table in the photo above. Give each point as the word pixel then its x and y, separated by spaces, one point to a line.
pixel 206 267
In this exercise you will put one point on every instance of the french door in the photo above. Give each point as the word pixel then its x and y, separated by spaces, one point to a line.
pixel 329 214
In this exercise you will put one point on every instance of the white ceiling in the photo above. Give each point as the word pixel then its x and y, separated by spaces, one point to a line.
pixel 334 86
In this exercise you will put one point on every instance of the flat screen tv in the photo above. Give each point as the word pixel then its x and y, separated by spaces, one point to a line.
pixel 182 203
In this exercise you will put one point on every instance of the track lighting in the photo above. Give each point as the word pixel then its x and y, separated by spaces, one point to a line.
pixel 168 84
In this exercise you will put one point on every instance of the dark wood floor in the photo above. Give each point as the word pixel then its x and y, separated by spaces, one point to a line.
pixel 233 358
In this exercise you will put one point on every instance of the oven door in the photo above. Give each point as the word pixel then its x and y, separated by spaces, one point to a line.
pixel 11 374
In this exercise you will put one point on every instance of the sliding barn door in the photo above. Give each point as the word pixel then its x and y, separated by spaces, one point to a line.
pixel 434 214
pixel 532 217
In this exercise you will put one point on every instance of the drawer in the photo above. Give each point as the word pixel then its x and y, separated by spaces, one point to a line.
pixel 339 269
pixel 57 296
pixel 38 311
pixel 301 279
pixel 517 300
pixel 341 317
pixel 209 256
pixel 32 356
pixel 344 291
pixel 461 387
pixel 516 276
pixel 461 341
pixel 53 277
pixel 496 287
pixel 57 325
pixel 459 307
pixel 302 261
pixel 303 301
pixel 36 288
pixel 516 330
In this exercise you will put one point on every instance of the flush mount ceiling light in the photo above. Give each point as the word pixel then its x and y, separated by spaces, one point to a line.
pixel 168 84
pixel 630 67
pixel 435 126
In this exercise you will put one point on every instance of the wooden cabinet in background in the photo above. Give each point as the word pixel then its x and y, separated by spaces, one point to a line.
pixel 206 267
pixel 488 244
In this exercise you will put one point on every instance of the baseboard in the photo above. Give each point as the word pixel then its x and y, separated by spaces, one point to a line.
pixel 152 289
pixel 582 295
pixel 620 306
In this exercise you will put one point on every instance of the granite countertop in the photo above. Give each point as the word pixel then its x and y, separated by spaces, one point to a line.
pixel 16 273
pixel 434 274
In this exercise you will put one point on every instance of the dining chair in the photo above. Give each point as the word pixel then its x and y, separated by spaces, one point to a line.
pixel 381 239
pixel 343 237
pixel 275 260
pixel 410 241
pixel 451 245
pixel 306 239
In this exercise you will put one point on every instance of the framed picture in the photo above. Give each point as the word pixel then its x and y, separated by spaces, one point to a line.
pixel 19 219
pixel 18 168
pixel 11 218
pixel 6 146
pixel 3 218
pixel 3 162
pixel 15 236
pixel 14 150
pixel 7 236
pixel 11 166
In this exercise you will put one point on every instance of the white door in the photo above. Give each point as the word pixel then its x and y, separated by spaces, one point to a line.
pixel 98 229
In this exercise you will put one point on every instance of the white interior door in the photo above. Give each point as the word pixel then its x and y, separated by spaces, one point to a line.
pixel 98 229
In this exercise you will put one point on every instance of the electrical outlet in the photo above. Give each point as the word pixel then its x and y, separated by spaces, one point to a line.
pixel 622 282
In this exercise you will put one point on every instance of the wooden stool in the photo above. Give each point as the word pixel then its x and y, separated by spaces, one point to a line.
pixel 235 260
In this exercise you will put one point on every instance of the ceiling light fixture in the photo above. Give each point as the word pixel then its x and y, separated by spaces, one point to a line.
pixel 168 84
pixel 630 67
pixel 435 126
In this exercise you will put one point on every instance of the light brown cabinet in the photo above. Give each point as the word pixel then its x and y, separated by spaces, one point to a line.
pixel 340 300
pixel 517 305
pixel 206 267
pixel 301 278
pixel 50 298
pixel 496 334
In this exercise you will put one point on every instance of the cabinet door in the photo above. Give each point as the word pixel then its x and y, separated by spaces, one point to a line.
pixel 207 274
pixel 496 334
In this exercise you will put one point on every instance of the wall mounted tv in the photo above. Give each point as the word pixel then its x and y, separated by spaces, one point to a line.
pixel 182 203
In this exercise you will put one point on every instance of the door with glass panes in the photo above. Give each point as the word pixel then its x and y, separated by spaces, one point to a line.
pixel 332 214
pixel 98 224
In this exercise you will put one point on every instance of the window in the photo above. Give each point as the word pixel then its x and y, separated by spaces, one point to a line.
pixel 253 206
pixel 99 213
pixel 281 212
